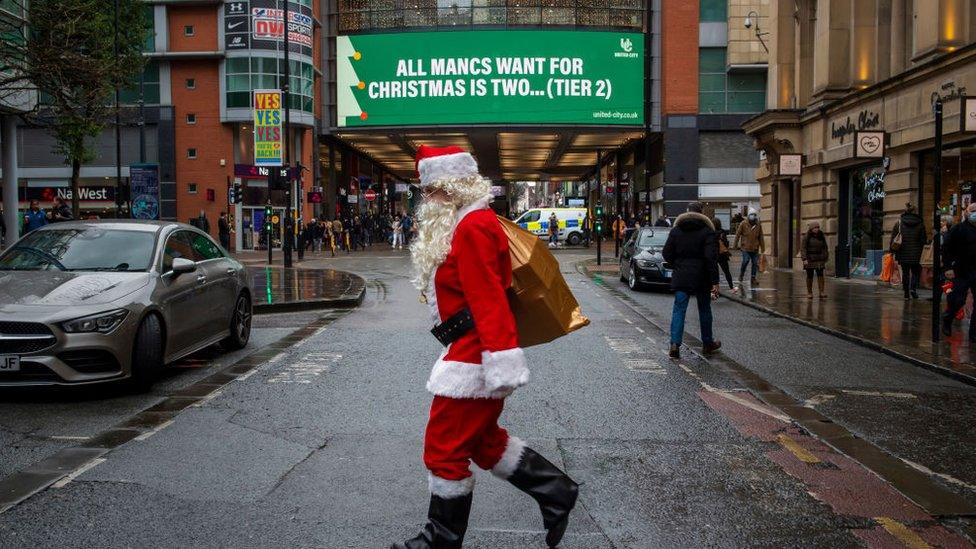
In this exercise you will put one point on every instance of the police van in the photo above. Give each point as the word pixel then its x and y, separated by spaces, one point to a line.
pixel 536 221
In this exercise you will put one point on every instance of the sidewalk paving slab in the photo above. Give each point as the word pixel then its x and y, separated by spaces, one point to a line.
pixel 279 290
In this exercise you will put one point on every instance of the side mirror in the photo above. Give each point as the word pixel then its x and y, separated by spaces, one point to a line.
pixel 182 265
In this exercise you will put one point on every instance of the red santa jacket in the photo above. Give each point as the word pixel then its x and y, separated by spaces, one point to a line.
pixel 486 362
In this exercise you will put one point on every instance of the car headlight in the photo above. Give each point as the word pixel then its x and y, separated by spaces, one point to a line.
pixel 101 323
pixel 646 264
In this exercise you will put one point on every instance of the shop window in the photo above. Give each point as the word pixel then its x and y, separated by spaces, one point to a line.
pixel 867 221
pixel 191 153
pixel 191 119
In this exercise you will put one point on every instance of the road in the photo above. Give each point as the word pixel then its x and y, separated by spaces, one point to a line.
pixel 319 445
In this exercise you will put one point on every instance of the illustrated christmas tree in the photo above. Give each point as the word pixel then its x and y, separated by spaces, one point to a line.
pixel 347 106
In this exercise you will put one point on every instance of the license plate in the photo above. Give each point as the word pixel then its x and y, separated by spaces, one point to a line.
pixel 9 363
pixel 667 274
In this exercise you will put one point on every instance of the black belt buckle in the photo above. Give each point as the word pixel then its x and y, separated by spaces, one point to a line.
pixel 452 329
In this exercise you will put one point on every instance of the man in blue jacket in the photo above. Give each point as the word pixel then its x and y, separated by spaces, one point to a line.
pixel 34 218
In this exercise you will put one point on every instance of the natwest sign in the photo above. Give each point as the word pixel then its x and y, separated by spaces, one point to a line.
pixel 249 171
pixel 85 194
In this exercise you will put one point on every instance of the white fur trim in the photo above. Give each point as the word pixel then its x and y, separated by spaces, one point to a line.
pixel 446 166
pixel 454 379
pixel 505 369
pixel 449 488
pixel 473 207
pixel 510 458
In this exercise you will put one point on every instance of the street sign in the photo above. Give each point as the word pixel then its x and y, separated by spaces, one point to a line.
pixel 315 197
pixel 267 128
pixel 370 195
pixel 144 186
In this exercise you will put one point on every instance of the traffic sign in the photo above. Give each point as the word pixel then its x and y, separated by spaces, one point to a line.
pixel 369 195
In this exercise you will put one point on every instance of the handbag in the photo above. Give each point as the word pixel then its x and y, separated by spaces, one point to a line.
pixel 762 264
pixel 896 242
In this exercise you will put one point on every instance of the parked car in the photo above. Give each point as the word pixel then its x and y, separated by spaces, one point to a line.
pixel 536 221
pixel 641 262
pixel 89 302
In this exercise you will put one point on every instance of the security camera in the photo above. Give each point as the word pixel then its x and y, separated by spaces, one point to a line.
pixel 748 22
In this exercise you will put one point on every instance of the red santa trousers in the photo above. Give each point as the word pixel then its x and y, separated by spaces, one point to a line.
pixel 462 430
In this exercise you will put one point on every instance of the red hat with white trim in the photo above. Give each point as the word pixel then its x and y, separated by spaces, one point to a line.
pixel 437 163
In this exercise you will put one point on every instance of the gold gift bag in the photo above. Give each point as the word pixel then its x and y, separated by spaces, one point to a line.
pixel 542 302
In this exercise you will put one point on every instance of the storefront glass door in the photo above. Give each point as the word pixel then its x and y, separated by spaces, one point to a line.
pixel 254 236
pixel 867 221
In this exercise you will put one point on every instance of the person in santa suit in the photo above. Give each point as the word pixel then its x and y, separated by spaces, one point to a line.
pixel 462 265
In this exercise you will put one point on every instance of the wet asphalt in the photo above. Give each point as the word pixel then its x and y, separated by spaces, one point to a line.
pixel 320 445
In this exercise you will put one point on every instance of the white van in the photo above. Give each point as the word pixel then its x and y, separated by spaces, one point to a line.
pixel 536 221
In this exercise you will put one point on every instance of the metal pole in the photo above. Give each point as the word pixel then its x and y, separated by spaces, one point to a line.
pixel 142 117
pixel 118 126
pixel 648 111
pixel 599 197
pixel 618 191
pixel 289 222
pixel 936 237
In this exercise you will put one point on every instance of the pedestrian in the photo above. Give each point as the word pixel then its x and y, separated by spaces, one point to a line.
pixel 619 229
pixel 329 236
pixel 724 255
pixel 61 211
pixel 749 240
pixel 907 242
pixel 461 242
pixel 553 230
pixel 224 230
pixel 202 222
pixel 815 253
pixel 693 250
pixel 662 221
pixel 397 234
pixel 587 228
pixel 337 232
pixel 960 256
pixel 34 217
pixel 407 224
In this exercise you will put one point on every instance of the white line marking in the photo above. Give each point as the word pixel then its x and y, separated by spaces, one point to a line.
pixel 943 476
pixel 628 321
pixel 74 474
pixel 159 428
pixel 66 437
pixel 306 369
pixel 751 405
pixel 878 394
pixel 817 400
pixel 638 329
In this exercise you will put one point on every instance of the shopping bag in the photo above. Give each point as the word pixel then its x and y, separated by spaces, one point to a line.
pixel 887 267
pixel 927 255
pixel 947 289
pixel 762 264
pixel 543 305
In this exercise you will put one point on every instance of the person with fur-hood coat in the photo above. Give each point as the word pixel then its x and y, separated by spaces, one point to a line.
pixel 692 250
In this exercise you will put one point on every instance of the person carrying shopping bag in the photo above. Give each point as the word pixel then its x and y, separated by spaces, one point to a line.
pixel 815 253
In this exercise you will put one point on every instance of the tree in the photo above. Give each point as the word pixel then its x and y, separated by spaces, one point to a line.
pixel 68 55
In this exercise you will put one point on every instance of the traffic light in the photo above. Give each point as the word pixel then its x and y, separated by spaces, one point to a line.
pixel 234 195
pixel 598 222
pixel 267 218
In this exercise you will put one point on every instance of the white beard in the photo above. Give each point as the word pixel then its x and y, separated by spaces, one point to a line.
pixel 435 229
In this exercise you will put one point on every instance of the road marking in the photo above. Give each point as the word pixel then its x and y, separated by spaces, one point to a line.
pixel 66 437
pixel 743 402
pixel 307 369
pixel 878 394
pixel 800 452
pixel 638 329
pixel 817 400
pixel 628 321
pixel 633 353
pixel 943 476
pixel 157 429
pixel 903 533
pixel 74 474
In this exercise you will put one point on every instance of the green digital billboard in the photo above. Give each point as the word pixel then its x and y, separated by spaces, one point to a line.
pixel 490 77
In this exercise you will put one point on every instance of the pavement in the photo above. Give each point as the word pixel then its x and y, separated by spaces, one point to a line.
pixel 868 313
pixel 314 440
pixel 278 289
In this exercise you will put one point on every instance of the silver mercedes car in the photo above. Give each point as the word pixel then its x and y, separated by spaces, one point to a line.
pixel 87 302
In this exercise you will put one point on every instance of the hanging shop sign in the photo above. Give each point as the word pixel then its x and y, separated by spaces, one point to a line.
pixel 267 128
pixel 791 164
pixel 967 113
pixel 869 144
pixel 144 187
pixel 260 25
pixel 490 76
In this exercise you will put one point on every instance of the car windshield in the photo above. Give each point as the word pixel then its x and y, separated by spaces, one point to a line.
pixel 652 238
pixel 88 249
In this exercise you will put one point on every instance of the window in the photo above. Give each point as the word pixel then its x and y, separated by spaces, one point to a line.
pixel 191 84
pixel 147 83
pixel 243 75
pixel 720 91
pixel 530 216
pixel 191 119
pixel 191 153
pixel 91 249
pixel 713 10
pixel 205 248
pixel 179 244
pixel 188 30
pixel 191 188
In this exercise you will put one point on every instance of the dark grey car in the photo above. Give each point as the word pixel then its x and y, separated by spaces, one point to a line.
pixel 86 302
pixel 641 262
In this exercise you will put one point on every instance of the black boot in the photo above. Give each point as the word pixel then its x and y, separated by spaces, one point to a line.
pixel 551 488
pixel 447 521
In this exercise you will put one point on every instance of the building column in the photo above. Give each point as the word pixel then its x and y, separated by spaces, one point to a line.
pixel 781 83
pixel 11 215
pixel 832 49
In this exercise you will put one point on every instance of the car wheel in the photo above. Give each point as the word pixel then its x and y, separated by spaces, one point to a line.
pixel 632 281
pixel 147 354
pixel 574 239
pixel 240 325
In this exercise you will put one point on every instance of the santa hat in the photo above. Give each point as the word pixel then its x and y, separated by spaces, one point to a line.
pixel 436 163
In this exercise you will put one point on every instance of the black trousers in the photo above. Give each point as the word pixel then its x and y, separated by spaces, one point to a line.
pixel 910 275
pixel 723 262
pixel 810 272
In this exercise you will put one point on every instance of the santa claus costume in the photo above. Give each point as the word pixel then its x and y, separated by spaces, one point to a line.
pixel 469 271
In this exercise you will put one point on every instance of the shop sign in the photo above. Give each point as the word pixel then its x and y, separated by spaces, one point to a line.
pixel 237 27
pixel 791 164
pixel 968 114
pixel 315 197
pixel 353 199
pixel 865 120
pixel 874 186
pixel 869 144
pixel 250 171
pixel 491 76
pixel 85 194
pixel 260 25
pixel 267 128
pixel 947 92
pixel 144 187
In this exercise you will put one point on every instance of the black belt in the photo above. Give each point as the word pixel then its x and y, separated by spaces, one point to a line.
pixel 452 329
